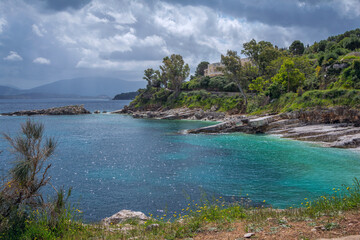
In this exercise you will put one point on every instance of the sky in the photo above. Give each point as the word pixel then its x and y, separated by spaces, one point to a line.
pixel 42 41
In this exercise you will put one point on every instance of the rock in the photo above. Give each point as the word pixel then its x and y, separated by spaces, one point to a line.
pixel 66 110
pixel 213 128
pixel 200 114
pixel 261 122
pixel 248 235
pixel 124 215
pixel 97 111
pixel 104 111
pixel 152 227
pixel 214 108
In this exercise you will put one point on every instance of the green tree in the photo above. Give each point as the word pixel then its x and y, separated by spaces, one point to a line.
pixel 21 191
pixel 174 71
pixel 259 84
pixel 261 53
pixel 289 77
pixel 201 68
pixel 233 71
pixel 149 76
pixel 297 47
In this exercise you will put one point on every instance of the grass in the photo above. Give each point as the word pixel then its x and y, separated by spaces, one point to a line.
pixel 210 216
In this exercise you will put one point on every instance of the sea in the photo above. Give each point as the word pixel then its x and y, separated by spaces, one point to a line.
pixel 114 162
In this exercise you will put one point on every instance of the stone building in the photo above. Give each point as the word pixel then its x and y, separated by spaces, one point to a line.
pixel 215 69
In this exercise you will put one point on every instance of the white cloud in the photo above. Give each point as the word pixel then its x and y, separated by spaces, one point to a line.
pixel 41 60
pixel 13 56
pixel 38 30
pixel 3 23
pixel 348 8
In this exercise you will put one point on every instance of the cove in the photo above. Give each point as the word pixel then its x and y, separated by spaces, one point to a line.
pixel 115 162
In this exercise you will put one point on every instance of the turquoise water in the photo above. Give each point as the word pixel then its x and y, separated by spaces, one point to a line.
pixel 115 162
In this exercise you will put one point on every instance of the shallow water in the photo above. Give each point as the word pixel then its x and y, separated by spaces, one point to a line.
pixel 115 162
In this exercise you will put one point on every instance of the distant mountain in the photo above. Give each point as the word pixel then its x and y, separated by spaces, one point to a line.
pixel 5 91
pixel 89 87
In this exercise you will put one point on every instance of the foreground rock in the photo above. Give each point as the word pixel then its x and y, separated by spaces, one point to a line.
pixel 123 216
pixel 66 110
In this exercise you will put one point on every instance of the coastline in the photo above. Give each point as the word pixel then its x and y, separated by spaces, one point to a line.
pixel 337 127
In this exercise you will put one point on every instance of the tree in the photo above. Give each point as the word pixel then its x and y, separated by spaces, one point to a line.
pixel 297 47
pixel 174 71
pixel 200 70
pixel 261 53
pixel 149 75
pixel 258 84
pixel 21 192
pixel 289 77
pixel 233 70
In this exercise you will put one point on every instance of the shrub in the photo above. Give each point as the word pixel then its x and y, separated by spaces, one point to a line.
pixel 20 194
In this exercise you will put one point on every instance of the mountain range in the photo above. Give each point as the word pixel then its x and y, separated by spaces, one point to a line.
pixel 76 87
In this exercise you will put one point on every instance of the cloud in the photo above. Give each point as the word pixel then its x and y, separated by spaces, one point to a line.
pixel 41 60
pixel 123 37
pixel 38 30
pixel 13 56
pixel 3 23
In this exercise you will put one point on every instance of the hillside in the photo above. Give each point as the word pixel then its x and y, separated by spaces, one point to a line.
pixel 89 87
pixel 5 91
pixel 325 74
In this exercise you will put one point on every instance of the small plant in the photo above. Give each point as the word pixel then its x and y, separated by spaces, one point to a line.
pixel 23 209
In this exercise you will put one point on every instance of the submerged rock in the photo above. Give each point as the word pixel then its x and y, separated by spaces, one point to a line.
pixel 66 110
pixel 123 216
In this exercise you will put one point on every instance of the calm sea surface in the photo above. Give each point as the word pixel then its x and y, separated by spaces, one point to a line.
pixel 115 162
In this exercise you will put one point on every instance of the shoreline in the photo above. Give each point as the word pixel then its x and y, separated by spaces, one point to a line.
pixel 336 127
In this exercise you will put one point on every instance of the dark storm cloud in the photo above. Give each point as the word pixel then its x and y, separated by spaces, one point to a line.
pixel 321 14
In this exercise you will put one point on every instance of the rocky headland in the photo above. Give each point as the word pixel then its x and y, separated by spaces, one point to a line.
pixel 332 127
pixel 66 110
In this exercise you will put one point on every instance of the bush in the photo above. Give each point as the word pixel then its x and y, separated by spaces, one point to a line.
pixel 21 192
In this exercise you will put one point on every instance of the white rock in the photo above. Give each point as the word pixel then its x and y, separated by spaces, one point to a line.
pixel 248 235
pixel 124 215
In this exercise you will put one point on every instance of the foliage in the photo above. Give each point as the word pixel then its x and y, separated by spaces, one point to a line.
pixel 201 68
pixel 233 71
pixel 261 53
pixel 21 199
pixel 297 48
pixel 289 77
pixel 175 70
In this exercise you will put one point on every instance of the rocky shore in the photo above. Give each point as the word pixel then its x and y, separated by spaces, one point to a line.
pixel 66 110
pixel 332 127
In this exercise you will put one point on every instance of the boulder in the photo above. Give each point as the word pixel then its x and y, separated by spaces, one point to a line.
pixel 123 216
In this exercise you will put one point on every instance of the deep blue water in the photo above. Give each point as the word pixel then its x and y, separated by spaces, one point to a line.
pixel 115 162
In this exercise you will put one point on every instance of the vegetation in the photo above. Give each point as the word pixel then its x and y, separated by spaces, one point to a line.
pixel 24 214
pixel 126 96
pixel 261 84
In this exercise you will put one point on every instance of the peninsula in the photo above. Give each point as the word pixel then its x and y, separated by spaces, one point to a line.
pixel 308 93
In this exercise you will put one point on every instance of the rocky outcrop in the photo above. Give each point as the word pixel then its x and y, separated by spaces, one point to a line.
pixel 334 127
pixel 123 216
pixel 330 115
pixel 66 110
pixel 217 128
pixel 175 114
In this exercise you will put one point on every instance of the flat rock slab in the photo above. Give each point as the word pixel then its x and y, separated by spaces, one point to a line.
pixel 352 237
